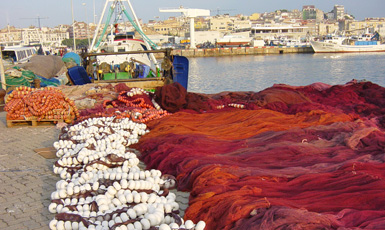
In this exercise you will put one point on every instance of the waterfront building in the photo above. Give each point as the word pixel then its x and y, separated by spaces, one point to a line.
pixel 207 36
pixel 276 31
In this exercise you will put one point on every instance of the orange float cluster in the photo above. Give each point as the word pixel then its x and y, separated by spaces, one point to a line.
pixel 25 103
pixel 137 106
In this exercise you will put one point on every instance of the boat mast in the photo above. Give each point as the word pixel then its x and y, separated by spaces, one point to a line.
pixel 140 27
pixel 92 47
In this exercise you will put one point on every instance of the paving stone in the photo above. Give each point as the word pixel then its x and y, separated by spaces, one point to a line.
pixel 17 226
pixel 32 224
pixel 29 178
pixel 7 217
pixel 19 221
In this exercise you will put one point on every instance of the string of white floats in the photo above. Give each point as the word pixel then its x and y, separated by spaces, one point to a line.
pixel 101 185
pixel 136 91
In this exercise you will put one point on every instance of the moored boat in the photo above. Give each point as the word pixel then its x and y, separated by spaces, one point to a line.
pixel 233 40
pixel 120 57
pixel 349 44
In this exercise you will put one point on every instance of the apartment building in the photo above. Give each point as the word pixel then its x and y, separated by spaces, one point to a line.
pixel 310 12
pixel 10 34
pixel 82 30
pixel 171 26
pixel 221 23
pixel 374 23
pixel 339 12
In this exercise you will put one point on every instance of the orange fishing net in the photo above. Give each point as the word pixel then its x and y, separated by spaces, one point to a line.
pixel 287 157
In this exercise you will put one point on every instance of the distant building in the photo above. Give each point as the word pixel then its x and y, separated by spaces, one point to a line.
pixel 44 36
pixel 222 24
pixel 271 32
pixel 374 24
pixel 329 15
pixel 309 12
pixel 255 16
pixel 171 26
pixel 241 24
pixel 81 30
pixel 339 12
pixel 207 36
pixel 10 35
pixel 324 28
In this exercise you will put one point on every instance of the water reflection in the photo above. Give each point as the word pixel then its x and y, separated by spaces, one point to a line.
pixel 257 72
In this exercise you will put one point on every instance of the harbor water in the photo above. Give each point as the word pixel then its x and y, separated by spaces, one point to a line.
pixel 258 72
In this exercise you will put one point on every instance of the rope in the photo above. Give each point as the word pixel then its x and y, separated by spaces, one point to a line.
pixel 105 26
pixel 152 44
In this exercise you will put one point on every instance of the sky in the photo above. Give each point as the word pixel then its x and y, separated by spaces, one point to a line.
pixel 25 13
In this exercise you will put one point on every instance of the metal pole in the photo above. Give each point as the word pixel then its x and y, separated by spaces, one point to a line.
pixel 94 14
pixel 2 72
pixel 73 25
pixel 88 35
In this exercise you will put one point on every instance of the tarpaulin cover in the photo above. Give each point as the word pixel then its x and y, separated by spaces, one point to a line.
pixel 308 157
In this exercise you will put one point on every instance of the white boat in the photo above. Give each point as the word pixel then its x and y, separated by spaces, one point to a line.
pixel 353 44
pixel 233 40
pixel 119 43
pixel 13 55
pixel 285 41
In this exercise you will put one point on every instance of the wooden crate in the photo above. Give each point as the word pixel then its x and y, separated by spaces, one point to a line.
pixel 33 122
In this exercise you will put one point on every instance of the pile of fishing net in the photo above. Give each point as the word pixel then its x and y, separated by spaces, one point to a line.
pixel 309 157
pixel 46 66
pixel 121 101
pixel 17 76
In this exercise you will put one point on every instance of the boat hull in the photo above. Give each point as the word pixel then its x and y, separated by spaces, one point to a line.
pixel 324 47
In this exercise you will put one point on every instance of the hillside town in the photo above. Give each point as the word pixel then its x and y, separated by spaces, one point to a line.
pixel 296 25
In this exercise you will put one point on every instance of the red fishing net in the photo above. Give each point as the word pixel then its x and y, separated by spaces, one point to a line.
pixel 287 157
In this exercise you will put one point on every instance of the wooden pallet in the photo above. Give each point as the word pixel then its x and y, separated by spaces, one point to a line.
pixel 33 122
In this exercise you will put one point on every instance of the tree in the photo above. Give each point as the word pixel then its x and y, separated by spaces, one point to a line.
pixel 80 43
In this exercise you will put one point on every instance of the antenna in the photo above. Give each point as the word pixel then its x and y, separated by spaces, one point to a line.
pixel 38 19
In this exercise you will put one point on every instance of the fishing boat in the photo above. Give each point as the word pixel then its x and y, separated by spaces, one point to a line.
pixel 117 56
pixel 366 42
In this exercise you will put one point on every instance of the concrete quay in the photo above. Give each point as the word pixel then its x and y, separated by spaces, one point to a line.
pixel 231 51
pixel 27 179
